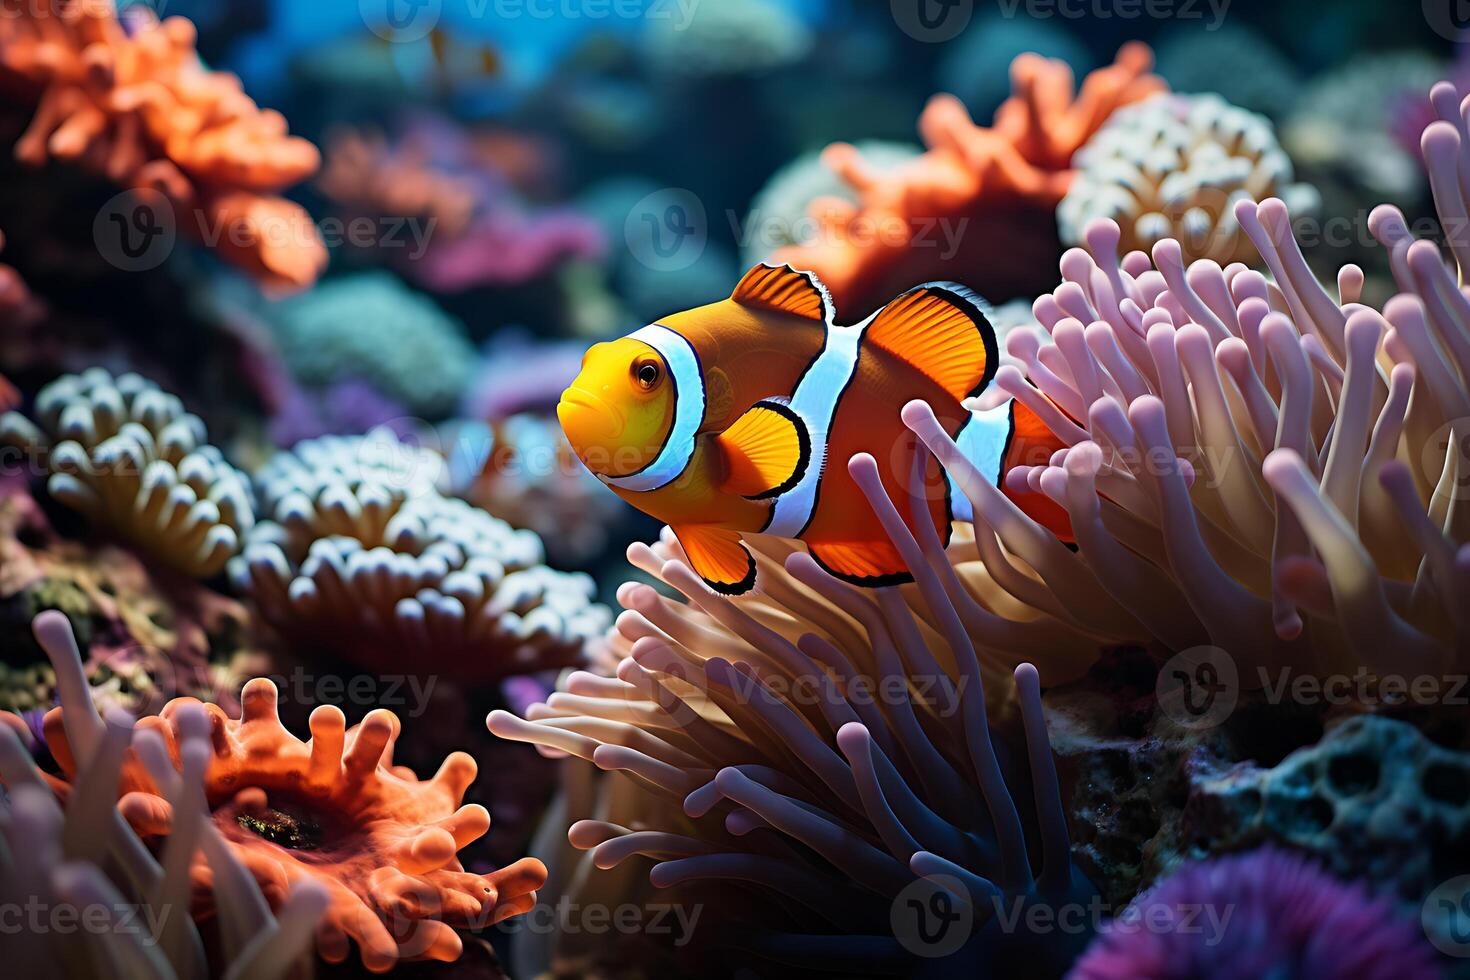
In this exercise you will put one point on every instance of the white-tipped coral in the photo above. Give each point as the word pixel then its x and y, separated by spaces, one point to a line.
pixel 367 560
pixel 1174 166
pixel 77 858
pixel 126 455
pixel 831 751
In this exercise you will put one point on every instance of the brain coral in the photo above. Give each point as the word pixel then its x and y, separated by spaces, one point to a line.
pixel 354 327
pixel 1174 166
pixel 825 745
pixel 334 810
pixel 77 851
pixel 1256 913
pixel 379 568
pixel 127 455
pixel 133 103
pixel 978 205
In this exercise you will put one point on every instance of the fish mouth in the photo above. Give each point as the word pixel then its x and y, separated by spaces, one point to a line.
pixel 583 399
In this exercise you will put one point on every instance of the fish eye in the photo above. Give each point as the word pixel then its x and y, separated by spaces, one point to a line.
pixel 647 373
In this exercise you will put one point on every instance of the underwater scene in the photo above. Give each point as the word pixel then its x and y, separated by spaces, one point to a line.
pixel 634 489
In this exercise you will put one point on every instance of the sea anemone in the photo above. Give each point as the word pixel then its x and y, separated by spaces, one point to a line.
pixel 126 455
pixel 334 811
pixel 1249 915
pixel 135 104
pixel 979 204
pixel 827 747
pixel 1174 166
pixel 74 854
pixel 370 562
pixel 354 326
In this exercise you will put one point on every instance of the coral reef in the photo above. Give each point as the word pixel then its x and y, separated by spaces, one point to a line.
pixel 967 69
pixel 1343 125
pixel 779 214
pixel 1174 166
pixel 353 327
pixel 368 561
pixel 334 811
pixel 1266 909
pixel 522 469
pixel 126 455
pixel 978 205
pixel 717 40
pixel 76 856
pixel 149 637
pixel 1235 62
pixel 133 103
pixel 468 226
pixel 826 746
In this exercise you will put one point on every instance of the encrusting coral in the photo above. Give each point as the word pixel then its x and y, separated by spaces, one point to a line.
pixel 978 206
pixel 133 103
pixel 126 455
pixel 333 811
pixel 1174 166
pixel 832 750
pixel 1252 913
pixel 372 563
pixel 75 854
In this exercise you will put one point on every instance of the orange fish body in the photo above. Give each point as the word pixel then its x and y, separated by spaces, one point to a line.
pixel 738 418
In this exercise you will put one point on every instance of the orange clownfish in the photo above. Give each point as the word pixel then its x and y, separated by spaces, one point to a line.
pixel 725 420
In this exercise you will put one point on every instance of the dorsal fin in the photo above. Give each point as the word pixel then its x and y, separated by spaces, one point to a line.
pixel 785 290
pixel 940 328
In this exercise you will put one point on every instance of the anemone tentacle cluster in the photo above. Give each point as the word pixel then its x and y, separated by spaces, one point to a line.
pixel 1281 908
pixel 1174 166
pixel 1282 464
pixel 333 816
pixel 125 454
pixel 827 746
pixel 978 205
pixel 133 103
pixel 65 845
pixel 358 552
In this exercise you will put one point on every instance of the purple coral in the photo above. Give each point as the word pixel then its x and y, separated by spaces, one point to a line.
pixel 1269 913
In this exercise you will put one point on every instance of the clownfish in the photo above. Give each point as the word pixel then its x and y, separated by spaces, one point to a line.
pixel 726 420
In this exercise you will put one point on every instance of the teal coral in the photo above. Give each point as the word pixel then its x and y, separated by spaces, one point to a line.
pixel 356 326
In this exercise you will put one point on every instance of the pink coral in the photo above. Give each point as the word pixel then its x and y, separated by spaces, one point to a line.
pixel 334 809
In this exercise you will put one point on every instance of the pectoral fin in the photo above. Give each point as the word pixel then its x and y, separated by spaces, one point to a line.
pixel 766 451
pixel 718 557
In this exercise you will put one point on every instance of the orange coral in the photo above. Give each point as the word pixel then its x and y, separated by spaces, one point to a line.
pixel 365 175
pixel 136 105
pixel 334 809
pixel 979 205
